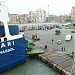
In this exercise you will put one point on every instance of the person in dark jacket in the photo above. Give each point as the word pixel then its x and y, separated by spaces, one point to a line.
pixel 45 47
pixel 62 49
pixel 52 40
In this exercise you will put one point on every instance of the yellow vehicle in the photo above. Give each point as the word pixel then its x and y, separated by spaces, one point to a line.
pixel 59 42
pixel 36 50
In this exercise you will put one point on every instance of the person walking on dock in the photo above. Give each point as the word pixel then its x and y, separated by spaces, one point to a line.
pixel 62 49
pixel 52 40
pixel 45 47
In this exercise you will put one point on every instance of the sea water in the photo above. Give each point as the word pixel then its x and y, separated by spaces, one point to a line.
pixel 33 66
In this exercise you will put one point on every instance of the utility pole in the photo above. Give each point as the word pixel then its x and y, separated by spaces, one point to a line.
pixel 48 13
pixel 41 16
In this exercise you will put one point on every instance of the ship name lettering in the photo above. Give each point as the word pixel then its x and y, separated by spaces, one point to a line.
pixel 7 44
pixel 7 50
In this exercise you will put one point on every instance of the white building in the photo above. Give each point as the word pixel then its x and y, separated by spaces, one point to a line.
pixel 13 18
pixel 61 18
pixel 23 18
pixel 31 16
pixel 40 15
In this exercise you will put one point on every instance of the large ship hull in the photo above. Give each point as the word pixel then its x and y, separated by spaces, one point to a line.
pixel 12 53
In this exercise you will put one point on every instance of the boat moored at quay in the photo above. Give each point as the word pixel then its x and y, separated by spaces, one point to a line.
pixel 12 47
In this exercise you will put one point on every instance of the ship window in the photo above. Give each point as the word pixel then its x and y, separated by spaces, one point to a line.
pixel 0 35
pixel 5 39
pixel 2 29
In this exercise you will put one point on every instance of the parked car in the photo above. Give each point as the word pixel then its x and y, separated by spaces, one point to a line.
pixel 59 42
pixel 68 37
pixel 73 31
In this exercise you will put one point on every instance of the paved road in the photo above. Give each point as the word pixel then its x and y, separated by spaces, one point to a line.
pixel 47 36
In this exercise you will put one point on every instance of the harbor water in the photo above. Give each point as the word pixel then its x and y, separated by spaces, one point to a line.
pixel 32 66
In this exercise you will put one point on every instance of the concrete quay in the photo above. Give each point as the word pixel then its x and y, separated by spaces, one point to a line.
pixel 59 61
pixel 54 56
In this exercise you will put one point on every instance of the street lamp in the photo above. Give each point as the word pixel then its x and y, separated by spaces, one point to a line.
pixel 48 13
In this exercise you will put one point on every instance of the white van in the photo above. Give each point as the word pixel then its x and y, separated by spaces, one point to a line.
pixel 68 37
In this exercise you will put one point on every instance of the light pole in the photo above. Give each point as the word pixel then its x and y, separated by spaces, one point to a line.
pixel 41 16
pixel 48 13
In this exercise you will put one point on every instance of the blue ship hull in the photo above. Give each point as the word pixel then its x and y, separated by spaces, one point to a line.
pixel 12 53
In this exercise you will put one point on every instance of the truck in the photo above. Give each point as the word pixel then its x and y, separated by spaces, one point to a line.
pixel 57 32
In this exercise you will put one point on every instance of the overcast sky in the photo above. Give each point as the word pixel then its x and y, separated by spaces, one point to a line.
pixel 56 7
